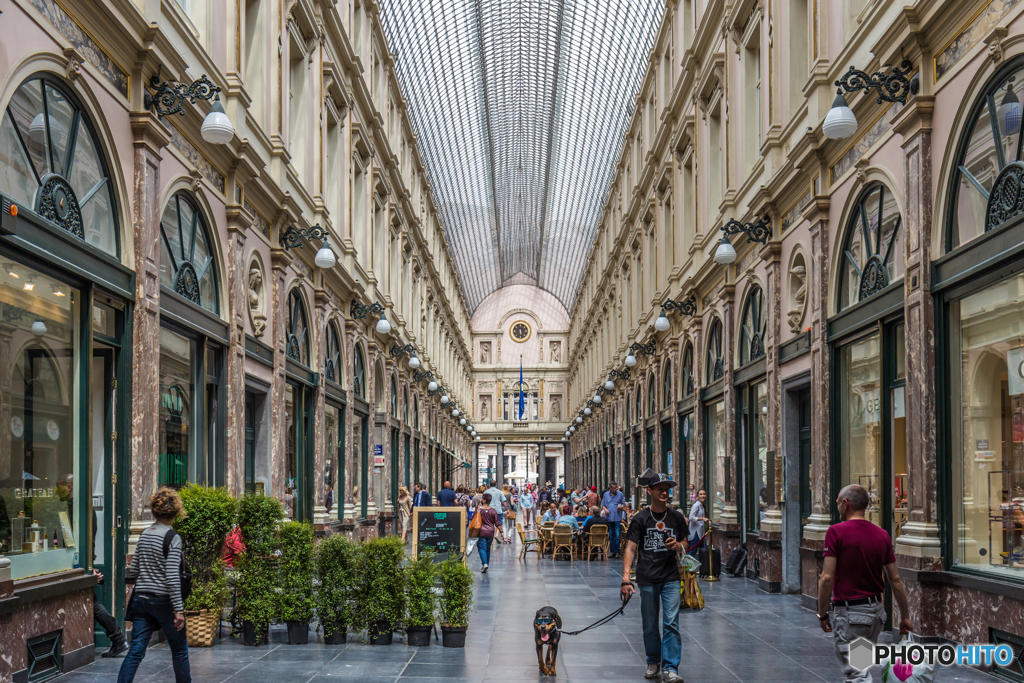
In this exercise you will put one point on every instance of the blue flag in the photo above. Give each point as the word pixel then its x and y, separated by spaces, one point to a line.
pixel 522 400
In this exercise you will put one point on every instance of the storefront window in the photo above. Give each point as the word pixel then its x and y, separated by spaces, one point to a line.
pixel 39 473
pixel 187 253
pixel 297 346
pixel 50 161
pixel 332 363
pixel 713 366
pixel 291 450
pixel 992 141
pixel 753 328
pixel 716 463
pixel 334 456
pixel 666 386
pixel 758 463
pixel 988 489
pixel 356 479
pixel 359 374
pixel 176 397
pixel 686 376
pixel 860 414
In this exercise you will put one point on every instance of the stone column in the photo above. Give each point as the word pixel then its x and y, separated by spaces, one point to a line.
pixel 238 286
pixel 731 524
pixel 351 513
pixel 318 344
pixel 770 530
pixel 476 465
pixel 499 465
pixel 149 137
pixel 918 546
pixel 697 438
pixel 280 260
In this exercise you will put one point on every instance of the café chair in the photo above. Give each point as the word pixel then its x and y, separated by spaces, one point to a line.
pixel 546 537
pixel 528 542
pixel 598 541
pixel 562 540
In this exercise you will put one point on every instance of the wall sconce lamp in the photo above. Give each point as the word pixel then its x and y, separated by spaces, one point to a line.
pixel 399 351
pixel 169 98
pixel 841 122
pixel 758 231
pixel 293 237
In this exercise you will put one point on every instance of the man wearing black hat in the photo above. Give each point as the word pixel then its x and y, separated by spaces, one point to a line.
pixel 655 535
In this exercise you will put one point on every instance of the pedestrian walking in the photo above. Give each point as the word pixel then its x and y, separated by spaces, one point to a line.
pixel 490 526
pixel 698 518
pixel 858 558
pixel 404 512
pixel 612 505
pixel 446 497
pixel 526 509
pixel 654 538
pixel 422 496
pixel 156 604
pixel 498 502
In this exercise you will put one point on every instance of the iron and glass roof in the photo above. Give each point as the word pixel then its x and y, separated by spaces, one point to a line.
pixel 520 107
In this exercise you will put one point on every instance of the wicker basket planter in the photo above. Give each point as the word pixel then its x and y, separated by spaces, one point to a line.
pixel 201 627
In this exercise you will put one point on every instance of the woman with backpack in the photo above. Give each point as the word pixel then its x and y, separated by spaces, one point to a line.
pixel 157 602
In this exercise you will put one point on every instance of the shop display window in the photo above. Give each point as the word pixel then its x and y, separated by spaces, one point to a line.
pixel 988 372
pixel 176 464
pixel 40 528
pixel 717 475
pixel 860 413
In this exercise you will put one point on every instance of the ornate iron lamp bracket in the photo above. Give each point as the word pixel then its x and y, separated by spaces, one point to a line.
pixel 293 236
pixel 686 306
pixel 637 347
pixel 439 390
pixel 420 376
pixel 602 390
pixel 399 351
pixel 619 374
pixel 894 87
pixel 758 231
pixel 360 311
pixel 169 97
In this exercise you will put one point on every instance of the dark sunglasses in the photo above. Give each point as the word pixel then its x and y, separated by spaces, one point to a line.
pixel 545 620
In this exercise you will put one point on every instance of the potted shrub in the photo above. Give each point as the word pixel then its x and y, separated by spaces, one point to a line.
pixel 421 599
pixel 258 517
pixel 209 516
pixel 296 583
pixel 336 566
pixel 456 601
pixel 382 595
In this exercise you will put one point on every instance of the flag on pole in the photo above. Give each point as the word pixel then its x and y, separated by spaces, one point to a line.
pixel 522 400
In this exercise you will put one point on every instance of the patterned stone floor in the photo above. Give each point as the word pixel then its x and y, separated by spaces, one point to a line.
pixel 742 635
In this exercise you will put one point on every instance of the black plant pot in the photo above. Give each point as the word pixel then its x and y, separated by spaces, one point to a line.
pixel 251 637
pixel 453 636
pixel 339 636
pixel 381 633
pixel 418 635
pixel 298 632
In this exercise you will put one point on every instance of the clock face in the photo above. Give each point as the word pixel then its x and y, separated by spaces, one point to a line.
pixel 520 331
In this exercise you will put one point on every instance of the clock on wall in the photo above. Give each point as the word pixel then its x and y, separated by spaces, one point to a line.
pixel 520 331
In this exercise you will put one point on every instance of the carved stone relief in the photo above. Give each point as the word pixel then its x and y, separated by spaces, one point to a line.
pixel 556 407
pixel 485 408
pixel 257 298
pixel 556 351
pixel 485 353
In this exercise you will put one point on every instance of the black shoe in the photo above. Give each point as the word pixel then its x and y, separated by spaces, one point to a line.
pixel 116 650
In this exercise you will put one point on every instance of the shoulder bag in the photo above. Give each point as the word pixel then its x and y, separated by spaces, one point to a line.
pixel 475 524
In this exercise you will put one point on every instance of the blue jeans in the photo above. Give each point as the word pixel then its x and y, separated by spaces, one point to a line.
pixel 696 542
pixel 154 613
pixel 613 537
pixel 662 645
pixel 483 546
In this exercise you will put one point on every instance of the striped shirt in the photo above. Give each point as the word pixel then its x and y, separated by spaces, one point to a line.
pixel 154 574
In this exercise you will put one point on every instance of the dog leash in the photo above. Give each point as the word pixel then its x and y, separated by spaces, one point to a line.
pixel 602 621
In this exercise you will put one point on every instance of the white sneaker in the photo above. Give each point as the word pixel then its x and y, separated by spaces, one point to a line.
pixel 652 671
pixel 670 677
pixel 483 570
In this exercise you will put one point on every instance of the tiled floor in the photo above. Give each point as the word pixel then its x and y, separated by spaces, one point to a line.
pixel 742 635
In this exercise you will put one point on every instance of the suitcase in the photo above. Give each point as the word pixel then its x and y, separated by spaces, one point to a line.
pixel 737 562
pixel 740 569
pixel 710 561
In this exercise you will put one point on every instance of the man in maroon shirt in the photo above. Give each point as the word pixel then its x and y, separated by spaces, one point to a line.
pixel 857 553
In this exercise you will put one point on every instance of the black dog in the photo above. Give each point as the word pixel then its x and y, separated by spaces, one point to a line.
pixel 547 630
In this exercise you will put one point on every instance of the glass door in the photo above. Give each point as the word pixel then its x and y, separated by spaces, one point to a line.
pixel 687 463
pixel 103 439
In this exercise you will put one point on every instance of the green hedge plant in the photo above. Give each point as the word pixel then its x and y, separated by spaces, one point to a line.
pixel 420 582
pixel 336 563
pixel 456 592
pixel 258 517
pixel 209 516
pixel 296 568
pixel 382 594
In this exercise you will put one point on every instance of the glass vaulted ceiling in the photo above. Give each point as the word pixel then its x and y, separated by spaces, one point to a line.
pixel 519 107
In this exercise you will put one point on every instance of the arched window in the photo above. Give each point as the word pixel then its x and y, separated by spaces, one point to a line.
pixel 51 161
pixel 405 408
pixel 359 374
pixel 666 386
pixel 629 401
pixel 872 255
pixel 686 373
pixel 332 365
pixel 415 411
pixel 394 399
pixel 652 397
pixel 753 327
pixel 714 369
pixel 379 399
pixel 990 147
pixel 186 253
pixel 297 347
pixel 639 403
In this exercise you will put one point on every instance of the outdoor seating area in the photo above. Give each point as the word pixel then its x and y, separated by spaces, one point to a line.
pixel 560 542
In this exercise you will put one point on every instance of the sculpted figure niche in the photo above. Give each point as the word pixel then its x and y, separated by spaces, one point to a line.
pixel 556 408
pixel 556 352
pixel 256 314
pixel 798 287
pixel 485 408
pixel 485 353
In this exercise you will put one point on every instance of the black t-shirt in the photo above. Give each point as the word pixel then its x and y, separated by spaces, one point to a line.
pixel 654 563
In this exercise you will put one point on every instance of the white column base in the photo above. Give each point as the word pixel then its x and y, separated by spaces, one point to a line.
pixel 320 515
pixel 135 530
pixel 772 521
pixel 919 539
pixel 816 527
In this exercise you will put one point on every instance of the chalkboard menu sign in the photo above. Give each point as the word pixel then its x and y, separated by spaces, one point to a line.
pixel 442 530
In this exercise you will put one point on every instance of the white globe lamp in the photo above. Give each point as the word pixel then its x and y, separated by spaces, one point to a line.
pixel 414 362
pixel 579 419
pixel 455 412
pixel 725 253
pixel 462 422
pixel 630 360
pixel 217 127
pixel 383 326
pixel 609 385
pixel 432 386
pixel 662 324
pixel 597 398
pixel 38 327
pixel 840 122
pixel 325 257
pixel 444 399
pixel 587 411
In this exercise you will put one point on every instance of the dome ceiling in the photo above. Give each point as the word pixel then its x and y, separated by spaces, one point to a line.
pixel 519 107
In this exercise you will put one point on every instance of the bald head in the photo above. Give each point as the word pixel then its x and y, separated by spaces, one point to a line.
pixel 856 496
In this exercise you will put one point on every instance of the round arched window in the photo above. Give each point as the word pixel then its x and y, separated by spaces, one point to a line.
pixel 332 365
pixel 359 374
pixel 991 146
pixel 187 264
pixel 666 386
pixel 872 256
pixel 50 160
pixel 713 366
pixel 297 346
pixel 752 328
pixel 686 375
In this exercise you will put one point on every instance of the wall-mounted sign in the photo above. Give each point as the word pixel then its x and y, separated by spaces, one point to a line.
pixel 378 449
pixel 52 430
pixel 981 444
pixel 17 427
pixel 260 488
pixel 378 461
